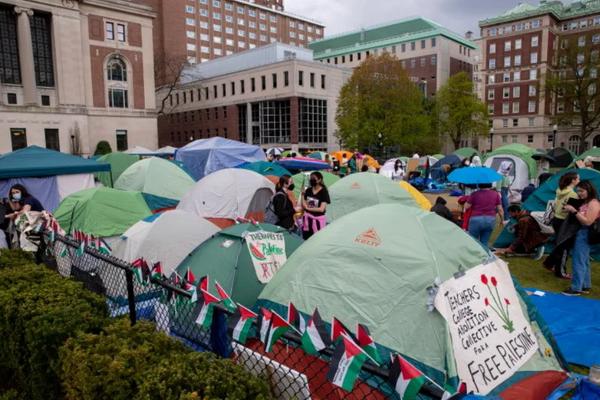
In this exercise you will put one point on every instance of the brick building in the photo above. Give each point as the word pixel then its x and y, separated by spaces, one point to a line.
pixel 429 52
pixel 203 30
pixel 275 95
pixel 519 49
pixel 74 73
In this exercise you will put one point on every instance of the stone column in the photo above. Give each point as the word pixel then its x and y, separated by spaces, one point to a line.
pixel 26 55
pixel 249 123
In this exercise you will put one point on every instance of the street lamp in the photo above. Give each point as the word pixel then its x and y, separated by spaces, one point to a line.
pixel 380 138
pixel 491 139
pixel 554 129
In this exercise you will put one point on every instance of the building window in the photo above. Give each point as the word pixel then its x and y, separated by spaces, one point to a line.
pixel 122 140
pixel 274 121
pixel 433 42
pixel 492 63
pixel 323 81
pixel 263 82
pixel 492 48
pixel 10 71
pixel 312 79
pixel 581 41
pixel 41 41
pixel 233 88
pixel 531 122
pixel 301 78
pixel 534 58
pixel 516 91
pixel 243 86
pixel 215 92
pixel 531 106
pixel 413 46
pixel 274 78
pixel 505 122
pixel 518 44
pixel 505 92
pixel 253 84
pixel 11 98
pixel 52 141
pixel 110 30
pixel 533 74
pixel 313 121
pixel 505 108
pixel 507 62
pixel 18 138
pixel 517 60
pixel 507 45
pixel 504 138
pixel 45 100
pixel 516 107
pixel 117 83
pixel 286 78
pixel 515 139
pixel 121 33
pixel 535 41
pixel 491 94
pixel 532 90
pixel 574 144
pixel 515 122
pixel 422 44
pixel 117 98
pixel 117 70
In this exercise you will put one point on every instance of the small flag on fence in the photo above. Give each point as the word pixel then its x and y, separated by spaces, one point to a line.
pixel 265 321
pixel 295 319
pixel 203 284
pixel 225 298
pixel 337 329
pixel 174 280
pixel 91 242
pixel 206 310
pixel 103 247
pixel 81 238
pixel 366 342
pixel 405 378
pixel 156 272
pixel 449 391
pixel 188 284
pixel 315 337
pixel 277 329
pixel 241 322
pixel 346 363
pixel 138 270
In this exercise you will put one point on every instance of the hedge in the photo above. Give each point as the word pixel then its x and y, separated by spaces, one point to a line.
pixel 39 310
pixel 15 258
pixel 134 363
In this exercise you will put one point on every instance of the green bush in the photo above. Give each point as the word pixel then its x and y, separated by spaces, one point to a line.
pixel 39 310
pixel 15 258
pixel 134 363
pixel 102 148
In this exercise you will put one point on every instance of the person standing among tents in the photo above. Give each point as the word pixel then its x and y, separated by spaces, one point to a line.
pixel 504 170
pixel 282 205
pixel 586 214
pixel 398 171
pixel 314 202
pixel 476 161
pixel 352 164
pixel 484 204
pixel 20 201
pixel 557 260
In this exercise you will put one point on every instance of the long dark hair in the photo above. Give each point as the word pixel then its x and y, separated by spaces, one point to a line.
pixel 567 179
pixel 283 179
pixel 20 188
pixel 319 176
pixel 397 165
pixel 590 189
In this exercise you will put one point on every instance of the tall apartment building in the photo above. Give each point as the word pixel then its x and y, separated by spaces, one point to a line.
pixel 519 48
pixel 429 52
pixel 202 30
pixel 73 73
pixel 275 95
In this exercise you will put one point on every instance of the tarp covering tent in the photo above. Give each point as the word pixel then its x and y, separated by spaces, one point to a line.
pixel 119 162
pixel 437 171
pixel 562 157
pixel 167 239
pixel 466 152
pixel 319 155
pixel 365 269
pixel 226 258
pixel 362 190
pixel 524 167
pixel 301 181
pixel 48 175
pixel 302 164
pixel 102 212
pixel 593 152
pixel 162 182
pixel 205 156
pixel 421 200
pixel 265 168
pixel 228 194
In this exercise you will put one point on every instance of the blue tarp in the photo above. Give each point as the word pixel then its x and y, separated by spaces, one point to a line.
pixel 205 156
pixel 574 323
pixel 34 161
pixel 43 189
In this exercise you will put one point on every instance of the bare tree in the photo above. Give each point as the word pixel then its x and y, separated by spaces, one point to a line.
pixel 168 71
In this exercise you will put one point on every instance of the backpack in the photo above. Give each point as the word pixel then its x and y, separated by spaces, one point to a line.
pixel 270 216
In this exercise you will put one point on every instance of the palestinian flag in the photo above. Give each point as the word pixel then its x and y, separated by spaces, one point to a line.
pixel 206 310
pixel 65 251
pixel 174 280
pixel 449 391
pixel 295 319
pixel 405 378
pixel 81 238
pixel 315 337
pixel 202 285
pixel 103 247
pixel 241 322
pixel 265 321
pixel 346 362
pixel 337 329
pixel 156 272
pixel 225 298
pixel 277 329
pixel 91 242
pixel 366 342
pixel 188 284
pixel 138 270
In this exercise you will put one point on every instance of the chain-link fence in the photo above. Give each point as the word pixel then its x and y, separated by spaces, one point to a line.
pixel 292 373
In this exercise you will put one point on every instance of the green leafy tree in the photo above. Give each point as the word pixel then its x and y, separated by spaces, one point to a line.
pixel 459 113
pixel 102 148
pixel 573 86
pixel 379 99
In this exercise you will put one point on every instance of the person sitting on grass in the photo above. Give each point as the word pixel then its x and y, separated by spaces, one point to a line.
pixel 529 239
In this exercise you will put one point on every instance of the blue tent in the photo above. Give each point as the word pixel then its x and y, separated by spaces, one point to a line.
pixel 205 156
pixel 452 160
pixel 266 168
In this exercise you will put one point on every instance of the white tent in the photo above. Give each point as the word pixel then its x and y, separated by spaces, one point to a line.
pixel 229 194
pixel 168 239
pixel 141 151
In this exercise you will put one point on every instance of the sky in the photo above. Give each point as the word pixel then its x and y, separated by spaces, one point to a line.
pixel 347 15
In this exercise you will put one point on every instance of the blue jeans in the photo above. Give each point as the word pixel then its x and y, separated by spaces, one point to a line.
pixel 582 272
pixel 505 202
pixel 481 228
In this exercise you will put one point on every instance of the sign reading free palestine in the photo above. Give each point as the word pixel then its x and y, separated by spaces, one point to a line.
pixel 267 251
pixel 491 337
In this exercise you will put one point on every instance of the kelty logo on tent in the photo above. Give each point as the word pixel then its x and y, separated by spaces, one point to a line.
pixel 369 237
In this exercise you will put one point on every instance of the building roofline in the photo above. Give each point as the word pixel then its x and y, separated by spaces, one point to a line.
pixel 123 6
pixel 556 9
pixel 285 13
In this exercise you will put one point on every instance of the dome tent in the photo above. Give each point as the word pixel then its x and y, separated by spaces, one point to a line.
pixel 119 162
pixel 362 190
pixel 225 258
pixel 364 269
pixel 524 168
pixel 301 180
pixel 265 168
pixel 466 152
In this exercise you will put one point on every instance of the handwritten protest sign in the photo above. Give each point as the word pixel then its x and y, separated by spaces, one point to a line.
pixel 267 251
pixel 490 335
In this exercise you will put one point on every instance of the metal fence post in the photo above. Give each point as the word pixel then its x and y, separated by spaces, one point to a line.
pixel 130 295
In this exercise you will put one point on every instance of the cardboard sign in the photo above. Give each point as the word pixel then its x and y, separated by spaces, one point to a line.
pixel 491 337
pixel 267 251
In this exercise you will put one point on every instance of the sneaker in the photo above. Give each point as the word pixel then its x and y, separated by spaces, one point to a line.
pixel 571 292
pixel 539 253
pixel 586 290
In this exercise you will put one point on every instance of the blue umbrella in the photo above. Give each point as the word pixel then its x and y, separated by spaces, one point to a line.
pixel 474 175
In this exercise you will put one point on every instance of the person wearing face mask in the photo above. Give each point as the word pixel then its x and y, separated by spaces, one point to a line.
pixel 314 203
pixel 20 201
pixel 283 207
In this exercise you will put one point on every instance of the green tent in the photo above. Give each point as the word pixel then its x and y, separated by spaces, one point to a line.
pixel 101 212
pixel 467 152
pixel 525 153
pixel 225 258
pixel 438 156
pixel 119 162
pixel 362 190
pixel 318 155
pixel 266 168
pixel 593 152
pixel 301 180
pixel 157 177
pixel 374 267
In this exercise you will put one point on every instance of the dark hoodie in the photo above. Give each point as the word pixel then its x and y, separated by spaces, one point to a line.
pixel 440 209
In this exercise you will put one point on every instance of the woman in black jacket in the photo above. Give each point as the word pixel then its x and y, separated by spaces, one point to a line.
pixel 282 205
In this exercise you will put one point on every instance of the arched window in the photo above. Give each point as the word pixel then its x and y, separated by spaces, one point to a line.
pixel 596 142
pixel 117 83
pixel 574 144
